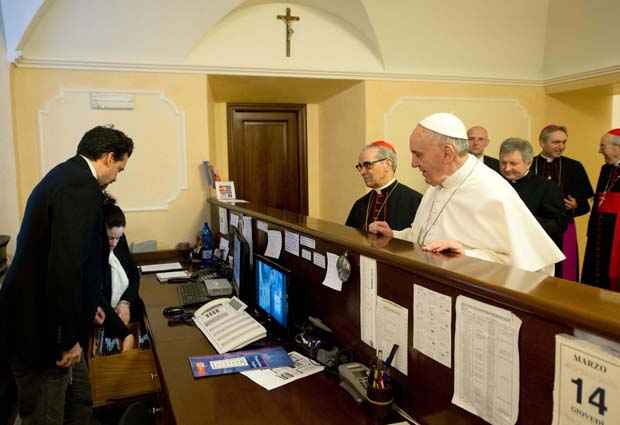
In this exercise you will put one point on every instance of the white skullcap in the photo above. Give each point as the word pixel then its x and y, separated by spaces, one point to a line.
pixel 444 123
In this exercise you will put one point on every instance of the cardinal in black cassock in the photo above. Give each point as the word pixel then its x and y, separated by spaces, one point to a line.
pixel 541 197
pixel 389 200
pixel 601 266
pixel 571 178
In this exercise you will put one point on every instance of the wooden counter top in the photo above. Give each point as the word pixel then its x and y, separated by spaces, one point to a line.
pixel 568 302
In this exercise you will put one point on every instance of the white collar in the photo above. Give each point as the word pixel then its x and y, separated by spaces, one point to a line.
pixel 90 166
pixel 547 158
pixel 455 179
pixel 384 186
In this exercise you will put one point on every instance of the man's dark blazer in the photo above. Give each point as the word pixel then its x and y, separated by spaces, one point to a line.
pixel 491 162
pixel 52 288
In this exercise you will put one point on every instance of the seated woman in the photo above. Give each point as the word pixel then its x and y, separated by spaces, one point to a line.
pixel 122 304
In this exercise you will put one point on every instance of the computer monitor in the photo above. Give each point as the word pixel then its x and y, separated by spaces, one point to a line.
pixel 241 277
pixel 272 282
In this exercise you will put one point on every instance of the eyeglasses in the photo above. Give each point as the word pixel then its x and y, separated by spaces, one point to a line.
pixel 367 164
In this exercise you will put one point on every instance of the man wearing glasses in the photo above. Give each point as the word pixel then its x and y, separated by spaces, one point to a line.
pixel 389 200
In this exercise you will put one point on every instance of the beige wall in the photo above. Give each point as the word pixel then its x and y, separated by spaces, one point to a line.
pixel 342 131
pixel 8 175
pixel 32 88
pixel 587 115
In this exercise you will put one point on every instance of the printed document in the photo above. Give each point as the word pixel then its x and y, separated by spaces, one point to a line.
pixel 331 275
pixel 274 244
pixel 223 213
pixel 274 378
pixel 368 299
pixel 391 328
pixel 291 242
pixel 432 324
pixel 486 361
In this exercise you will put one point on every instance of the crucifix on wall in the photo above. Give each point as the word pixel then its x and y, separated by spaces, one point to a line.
pixel 288 18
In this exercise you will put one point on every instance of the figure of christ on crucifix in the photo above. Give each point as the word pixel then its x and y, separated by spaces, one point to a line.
pixel 288 18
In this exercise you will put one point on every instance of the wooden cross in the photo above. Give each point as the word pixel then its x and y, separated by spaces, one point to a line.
pixel 289 30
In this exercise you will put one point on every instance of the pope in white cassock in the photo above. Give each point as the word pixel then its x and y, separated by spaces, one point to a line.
pixel 468 208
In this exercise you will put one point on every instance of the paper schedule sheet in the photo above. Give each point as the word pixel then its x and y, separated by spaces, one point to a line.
pixel 392 328
pixel 432 324
pixel 368 299
pixel 486 361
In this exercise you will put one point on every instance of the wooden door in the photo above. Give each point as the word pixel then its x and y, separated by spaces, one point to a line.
pixel 267 155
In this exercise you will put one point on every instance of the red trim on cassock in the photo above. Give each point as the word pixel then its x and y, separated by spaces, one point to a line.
pixel 611 205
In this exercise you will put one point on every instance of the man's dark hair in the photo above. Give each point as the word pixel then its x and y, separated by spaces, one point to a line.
pixel 101 140
pixel 112 214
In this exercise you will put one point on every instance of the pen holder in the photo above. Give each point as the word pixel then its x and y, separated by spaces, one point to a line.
pixel 379 390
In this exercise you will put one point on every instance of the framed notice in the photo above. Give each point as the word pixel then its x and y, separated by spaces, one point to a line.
pixel 587 383
pixel 225 191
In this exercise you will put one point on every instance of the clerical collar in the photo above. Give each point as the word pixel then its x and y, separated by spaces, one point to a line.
pixel 520 178
pixel 90 166
pixel 455 179
pixel 390 183
pixel 547 158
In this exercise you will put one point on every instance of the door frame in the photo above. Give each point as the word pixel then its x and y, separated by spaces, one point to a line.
pixel 302 137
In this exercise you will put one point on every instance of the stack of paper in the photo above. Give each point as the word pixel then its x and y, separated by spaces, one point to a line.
pixel 166 276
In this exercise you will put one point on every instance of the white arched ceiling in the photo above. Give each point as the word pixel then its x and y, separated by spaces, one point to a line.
pixel 529 41
pixel 251 38
pixel 19 17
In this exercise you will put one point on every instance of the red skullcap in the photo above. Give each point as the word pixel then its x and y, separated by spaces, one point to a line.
pixel 383 144
pixel 614 132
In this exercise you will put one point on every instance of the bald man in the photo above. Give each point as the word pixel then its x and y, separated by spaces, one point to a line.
pixel 601 266
pixel 469 209
pixel 478 139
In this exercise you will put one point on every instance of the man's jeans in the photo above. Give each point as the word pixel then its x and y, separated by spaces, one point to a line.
pixel 54 396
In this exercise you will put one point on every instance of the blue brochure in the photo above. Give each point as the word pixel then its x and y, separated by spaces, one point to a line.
pixel 238 361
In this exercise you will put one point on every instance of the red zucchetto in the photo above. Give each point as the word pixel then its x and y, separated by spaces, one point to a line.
pixel 383 144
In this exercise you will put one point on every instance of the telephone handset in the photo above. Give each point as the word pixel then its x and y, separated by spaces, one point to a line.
pixel 354 379
pixel 227 325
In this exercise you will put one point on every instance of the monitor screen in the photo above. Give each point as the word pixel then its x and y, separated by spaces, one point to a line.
pixel 271 290
pixel 241 276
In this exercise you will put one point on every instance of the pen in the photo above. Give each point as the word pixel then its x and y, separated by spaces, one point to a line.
pixel 388 362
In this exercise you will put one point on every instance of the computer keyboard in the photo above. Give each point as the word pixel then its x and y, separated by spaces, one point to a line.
pixel 193 293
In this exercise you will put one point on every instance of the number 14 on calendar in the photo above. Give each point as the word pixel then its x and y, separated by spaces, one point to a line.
pixel 587 383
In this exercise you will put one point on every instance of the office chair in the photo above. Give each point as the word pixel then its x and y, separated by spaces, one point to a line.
pixel 138 413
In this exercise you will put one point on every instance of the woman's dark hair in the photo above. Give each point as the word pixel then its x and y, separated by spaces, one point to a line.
pixel 112 214
pixel 102 140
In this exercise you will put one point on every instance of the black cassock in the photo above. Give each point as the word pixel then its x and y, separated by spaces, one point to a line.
pixel 572 180
pixel 544 200
pixel 599 267
pixel 492 163
pixel 399 209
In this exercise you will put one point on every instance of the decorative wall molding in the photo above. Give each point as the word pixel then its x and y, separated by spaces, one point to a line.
pixel 268 72
pixel 50 154
pixel 407 99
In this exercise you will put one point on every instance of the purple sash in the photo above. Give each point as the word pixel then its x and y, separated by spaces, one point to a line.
pixel 570 266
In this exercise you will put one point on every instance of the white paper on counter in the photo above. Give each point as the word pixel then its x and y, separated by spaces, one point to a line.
pixel 432 324
pixel 486 361
pixel 392 328
pixel 307 242
pixel 276 377
pixel 223 248
pixel 331 276
pixel 274 244
pixel 234 220
pixel 247 234
pixel 368 299
pixel 291 242
pixel 318 260
pixel 223 220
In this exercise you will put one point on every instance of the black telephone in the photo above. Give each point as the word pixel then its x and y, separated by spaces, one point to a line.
pixel 354 379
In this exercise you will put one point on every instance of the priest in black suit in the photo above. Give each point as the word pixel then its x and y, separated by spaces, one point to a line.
pixel 50 295
pixel 389 200
pixel 542 197
pixel 478 138
pixel 601 266
pixel 570 176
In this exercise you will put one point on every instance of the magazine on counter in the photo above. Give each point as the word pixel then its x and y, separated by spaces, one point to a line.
pixel 238 361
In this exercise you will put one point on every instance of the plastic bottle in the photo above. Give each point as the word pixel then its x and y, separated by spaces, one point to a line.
pixel 207 245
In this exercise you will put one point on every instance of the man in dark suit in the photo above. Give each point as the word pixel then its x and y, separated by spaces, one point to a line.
pixel 50 295
pixel 478 138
